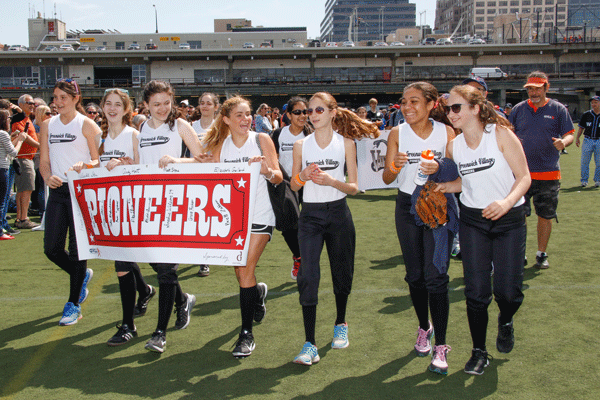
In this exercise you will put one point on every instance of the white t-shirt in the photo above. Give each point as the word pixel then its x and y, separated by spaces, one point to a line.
pixel 155 143
pixel 66 144
pixel 121 146
pixel 486 175
pixel 286 142
pixel 331 159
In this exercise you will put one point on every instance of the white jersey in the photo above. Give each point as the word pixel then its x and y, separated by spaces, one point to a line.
pixel 263 210
pixel 121 146
pixel 286 145
pixel 200 131
pixel 410 143
pixel 486 175
pixel 331 159
pixel 155 143
pixel 66 144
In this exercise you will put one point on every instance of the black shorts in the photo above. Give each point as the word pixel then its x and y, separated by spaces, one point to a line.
pixel 259 229
pixel 545 198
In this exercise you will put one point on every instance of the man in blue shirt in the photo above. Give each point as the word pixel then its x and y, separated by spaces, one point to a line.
pixel 589 125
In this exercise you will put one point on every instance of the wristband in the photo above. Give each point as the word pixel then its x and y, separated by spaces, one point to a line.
pixel 394 169
pixel 271 177
pixel 299 180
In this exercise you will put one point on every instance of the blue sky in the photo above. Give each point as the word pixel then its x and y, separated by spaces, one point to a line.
pixel 173 15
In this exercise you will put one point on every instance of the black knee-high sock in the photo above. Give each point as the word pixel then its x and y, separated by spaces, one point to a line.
pixel 507 311
pixel 291 238
pixel 478 321
pixel 420 300
pixel 309 313
pixel 140 284
pixel 248 299
pixel 127 288
pixel 76 281
pixel 179 295
pixel 439 303
pixel 341 300
pixel 166 299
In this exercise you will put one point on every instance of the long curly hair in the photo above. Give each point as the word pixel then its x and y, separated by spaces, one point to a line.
pixel 487 113
pixel 219 130
pixel 345 122
pixel 431 94
pixel 154 87
pixel 127 117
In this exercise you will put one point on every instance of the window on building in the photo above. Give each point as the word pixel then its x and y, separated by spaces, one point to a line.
pixel 503 3
pixel 491 4
pixel 491 11
pixel 120 45
pixel 479 19
pixel 526 3
pixel 479 11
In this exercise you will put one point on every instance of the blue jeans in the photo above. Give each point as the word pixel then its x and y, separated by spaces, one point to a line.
pixel 7 179
pixel 590 146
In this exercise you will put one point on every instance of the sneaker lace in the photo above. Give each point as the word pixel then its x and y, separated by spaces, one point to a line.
pixel 421 337
pixel 441 352
pixel 339 332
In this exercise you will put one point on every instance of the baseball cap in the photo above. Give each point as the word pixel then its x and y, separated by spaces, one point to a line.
pixel 396 106
pixel 284 107
pixel 535 81
pixel 186 102
pixel 508 105
pixel 476 79
pixel 595 98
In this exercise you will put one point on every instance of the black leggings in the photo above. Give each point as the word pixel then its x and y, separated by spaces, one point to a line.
pixel 59 223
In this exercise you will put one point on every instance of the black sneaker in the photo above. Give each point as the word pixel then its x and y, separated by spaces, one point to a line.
pixel 244 345
pixel 261 309
pixel 183 311
pixel 157 342
pixel 506 338
pixel 478 361
pixel 541 261
pixel 12 231
pixel 142 303
pixel 123 335
pixel 204 270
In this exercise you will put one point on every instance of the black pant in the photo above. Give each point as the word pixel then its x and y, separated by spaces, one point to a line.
pixel 330 223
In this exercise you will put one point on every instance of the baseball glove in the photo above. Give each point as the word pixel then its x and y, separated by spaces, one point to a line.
pixel 431 206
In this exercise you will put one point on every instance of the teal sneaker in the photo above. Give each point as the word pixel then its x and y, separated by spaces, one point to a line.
pixel 84 290
pixel 308 355
pixel 71 314
pixel 340 336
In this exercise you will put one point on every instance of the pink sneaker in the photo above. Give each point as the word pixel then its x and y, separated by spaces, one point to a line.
pixel 439 364
pixel 423 345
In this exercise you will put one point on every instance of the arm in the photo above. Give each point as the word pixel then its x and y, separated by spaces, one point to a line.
pixel 269 167
pixel 431 167
pixel 350 186
pixel 52 181
pixel 512 150
pixel 297 167
pixel 394 160
pixel 90 131
pixel 456 185
pixel 190 138
pixel 579 132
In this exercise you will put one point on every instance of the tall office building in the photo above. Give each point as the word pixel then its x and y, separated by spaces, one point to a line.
pixel 368 20
pixel 477 17
pixel 584 13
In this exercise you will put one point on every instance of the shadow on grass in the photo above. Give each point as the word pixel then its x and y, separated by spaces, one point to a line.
pixel 578 188
pixel 380 384
pixel 388 263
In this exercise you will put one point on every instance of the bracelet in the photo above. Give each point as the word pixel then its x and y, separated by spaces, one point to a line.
pixel 271 177
pixel 299 180
pixel 394 169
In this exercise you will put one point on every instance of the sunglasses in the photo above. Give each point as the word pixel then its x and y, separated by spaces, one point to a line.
pixel 107 91
pixel 298 112
pixel 92 112
pixel 454 107
pixel 318 110
pixel 48 113
pixel 31 103
pixel 72 81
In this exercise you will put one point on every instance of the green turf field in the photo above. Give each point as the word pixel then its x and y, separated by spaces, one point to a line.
pixel 554 356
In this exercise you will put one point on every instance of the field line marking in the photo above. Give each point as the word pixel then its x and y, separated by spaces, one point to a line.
pixel 19 381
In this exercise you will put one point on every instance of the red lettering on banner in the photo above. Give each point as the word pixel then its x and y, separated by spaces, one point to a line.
pixel 196 211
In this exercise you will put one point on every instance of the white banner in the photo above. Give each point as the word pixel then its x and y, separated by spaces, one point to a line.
pixel 184 213
pixel 371 163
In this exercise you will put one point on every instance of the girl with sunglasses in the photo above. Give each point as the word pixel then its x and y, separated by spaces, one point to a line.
pixel 284 139
pixel 493 178
pixel 228 140
pixel 165 121
pixel 318 166
pixel 118 141
pixel 57 156
pixel 427 282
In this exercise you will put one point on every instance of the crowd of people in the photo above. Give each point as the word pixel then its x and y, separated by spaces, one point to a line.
pixel 489 163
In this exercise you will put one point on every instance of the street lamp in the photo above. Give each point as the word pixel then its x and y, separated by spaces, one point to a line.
pixel 155 16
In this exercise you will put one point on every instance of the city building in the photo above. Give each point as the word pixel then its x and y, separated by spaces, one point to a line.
pixel 584 13
pixel 365 20
pixel 228 24
pixel 484 18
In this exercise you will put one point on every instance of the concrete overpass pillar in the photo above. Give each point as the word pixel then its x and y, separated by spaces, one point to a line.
pixel 229 77
pixel 393 71
pixel 502 98
pixel 313 57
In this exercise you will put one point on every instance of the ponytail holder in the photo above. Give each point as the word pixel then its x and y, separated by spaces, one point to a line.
pixel 102 142
pixel 437 103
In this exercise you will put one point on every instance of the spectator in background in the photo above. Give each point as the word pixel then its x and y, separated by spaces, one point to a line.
pixel 93 112
pixel 545 128
pixel 374 114
pixel 507 109
pixel 396 117
pixel 285 120
pixel 263 122
pixel 275 118
pixel 362 113
pixel 589 125
pixel 25 181
pixel 138 120
pixel 53 109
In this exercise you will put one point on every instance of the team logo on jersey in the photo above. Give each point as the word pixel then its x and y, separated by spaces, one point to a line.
pixel 154 141
pixel 62 138
pixel 325 165
pixel 415 157
pixel 109 155
pixel 478 165
pixel 286 147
